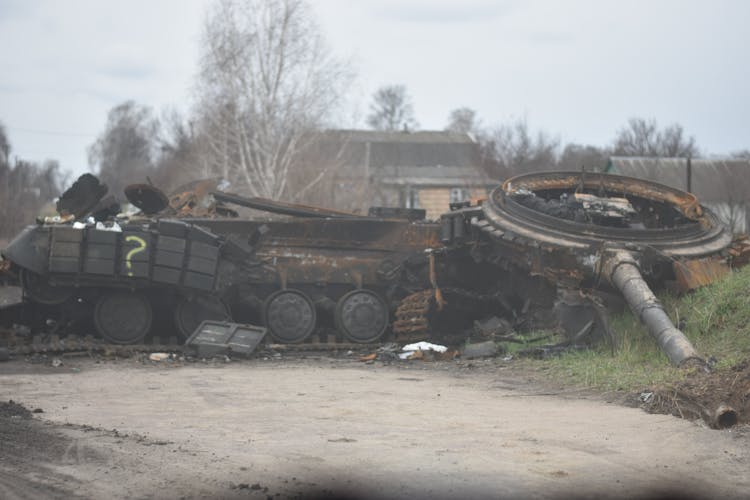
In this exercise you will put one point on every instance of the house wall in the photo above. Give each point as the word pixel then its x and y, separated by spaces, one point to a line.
pixel 436 201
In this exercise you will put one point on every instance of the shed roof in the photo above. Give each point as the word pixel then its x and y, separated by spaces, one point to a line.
pixel 720 179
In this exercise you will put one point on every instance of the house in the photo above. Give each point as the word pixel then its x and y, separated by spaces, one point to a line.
pixel 723 185
pixel 425 169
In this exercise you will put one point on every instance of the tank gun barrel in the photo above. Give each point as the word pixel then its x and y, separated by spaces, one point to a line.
pixel 623 272
pixel 283 208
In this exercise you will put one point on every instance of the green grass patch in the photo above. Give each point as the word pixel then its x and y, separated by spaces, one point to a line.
pixel 715 318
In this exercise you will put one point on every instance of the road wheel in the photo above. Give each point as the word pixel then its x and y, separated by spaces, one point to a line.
pixel 191 312
pixel 290 316
pixel 123 317
pixel 362 316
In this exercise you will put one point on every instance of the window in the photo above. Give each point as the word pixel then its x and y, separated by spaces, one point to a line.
pixel 459 194
pixel 412 198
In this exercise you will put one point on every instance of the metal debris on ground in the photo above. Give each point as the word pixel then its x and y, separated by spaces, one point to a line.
pixel 214 338
pixel 739 252
pixel 487 349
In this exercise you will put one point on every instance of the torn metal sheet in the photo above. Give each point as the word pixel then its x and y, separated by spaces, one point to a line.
pixel 214 338
pixel 692 274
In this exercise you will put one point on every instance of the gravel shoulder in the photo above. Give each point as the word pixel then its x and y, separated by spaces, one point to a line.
pixel 325 426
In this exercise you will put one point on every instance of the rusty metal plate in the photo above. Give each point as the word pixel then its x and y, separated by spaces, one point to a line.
pixel 692 274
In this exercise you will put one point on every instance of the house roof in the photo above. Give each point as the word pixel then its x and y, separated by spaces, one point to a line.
pixel 442 176
pixel 725 179
pixel 420 136
pixel 377 149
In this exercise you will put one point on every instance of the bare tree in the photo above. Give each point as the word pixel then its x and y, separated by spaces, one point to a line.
pixel 4 146
pixel 391 109
pixel 25 188
pixel 181 157
pixel 267 83
pixel 463 120
pixel 511 149
pixel 125 152
pixel 644 138
pixel 577 156
pixel 742 154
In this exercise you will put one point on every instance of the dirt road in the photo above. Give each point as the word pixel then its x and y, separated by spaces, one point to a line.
pixel 275 429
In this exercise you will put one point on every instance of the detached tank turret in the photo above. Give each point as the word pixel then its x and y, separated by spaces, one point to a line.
pixel 596 231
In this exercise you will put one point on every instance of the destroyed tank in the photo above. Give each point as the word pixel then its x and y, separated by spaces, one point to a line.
pixel 543 249
pixel 316 270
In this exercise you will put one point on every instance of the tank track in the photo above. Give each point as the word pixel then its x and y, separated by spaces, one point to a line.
pixel 417 312
pixel 411 323
pixel 412 316
pixel 90 345
pixel 55 344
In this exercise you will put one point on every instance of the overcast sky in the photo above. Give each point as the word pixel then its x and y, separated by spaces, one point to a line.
pixel 577 69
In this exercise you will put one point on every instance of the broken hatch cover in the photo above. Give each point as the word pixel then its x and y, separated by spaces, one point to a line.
pixel 221 337
pixel 148 198
pixel 82 196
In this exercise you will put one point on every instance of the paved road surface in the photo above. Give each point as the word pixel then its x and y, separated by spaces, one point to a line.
pixel 282 428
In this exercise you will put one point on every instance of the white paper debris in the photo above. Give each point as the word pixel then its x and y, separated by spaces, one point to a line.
pixel 79 225
pixel 424 346
pixel 115 227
